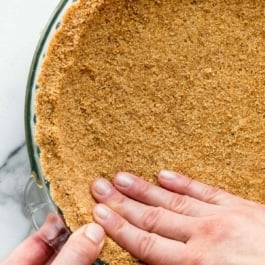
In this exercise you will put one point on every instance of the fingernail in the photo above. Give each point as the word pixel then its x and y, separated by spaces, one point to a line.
pixel 94 232
pixel 124 180
pixel 53 227
pixel 166 174
pixel 102 187
pixel 102 211
pixel 54 232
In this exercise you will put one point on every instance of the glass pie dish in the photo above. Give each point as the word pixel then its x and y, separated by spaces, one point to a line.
pixel 37 197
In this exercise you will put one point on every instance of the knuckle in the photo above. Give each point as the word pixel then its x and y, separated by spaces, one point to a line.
pixel 151 218
pixel 146 243
pixel 209 227
pixel 117 201
pixel 187 186
pixel 118 227
pixel 217 229
pixel 143 190
pixel 44 247
pixel 178 203
pixel 210 193
pixel 118 230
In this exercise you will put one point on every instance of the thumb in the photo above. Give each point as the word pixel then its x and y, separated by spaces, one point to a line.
pixel 83 247
pixel 39 248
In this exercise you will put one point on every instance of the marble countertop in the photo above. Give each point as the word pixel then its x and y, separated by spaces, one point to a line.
pixel 21 23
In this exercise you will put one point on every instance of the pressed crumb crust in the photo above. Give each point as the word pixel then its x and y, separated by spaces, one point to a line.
pixel 144 85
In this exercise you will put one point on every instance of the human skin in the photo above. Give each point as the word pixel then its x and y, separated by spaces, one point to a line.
pixel 184 222
pixel 82 247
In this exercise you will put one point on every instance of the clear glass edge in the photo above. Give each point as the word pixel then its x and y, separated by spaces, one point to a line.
pixel 38 183
pixel 30 96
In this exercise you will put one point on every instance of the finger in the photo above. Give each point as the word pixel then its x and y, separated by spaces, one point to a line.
pixel 148 247
pixel 83 247
pixel 149 218
pixel 148 193
pixel 184 185
pixel 37 248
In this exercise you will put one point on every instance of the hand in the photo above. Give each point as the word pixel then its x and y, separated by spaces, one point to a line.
pixel 183 223
pixel 82 247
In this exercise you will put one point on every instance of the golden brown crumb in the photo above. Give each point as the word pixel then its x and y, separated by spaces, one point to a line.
pixel 143 85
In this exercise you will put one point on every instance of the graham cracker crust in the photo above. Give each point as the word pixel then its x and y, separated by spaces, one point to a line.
pixel 143 85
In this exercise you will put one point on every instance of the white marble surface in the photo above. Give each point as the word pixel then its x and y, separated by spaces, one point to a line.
pixel 21 23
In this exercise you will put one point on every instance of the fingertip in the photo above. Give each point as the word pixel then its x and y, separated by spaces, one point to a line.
pixel 95 233
pixel 101 212
pixel 101 188
pixel 83 246
pixel 124 180
pixel 167 176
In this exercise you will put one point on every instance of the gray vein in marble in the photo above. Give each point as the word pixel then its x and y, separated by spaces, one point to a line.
pixel 14 174
pixel 12 153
